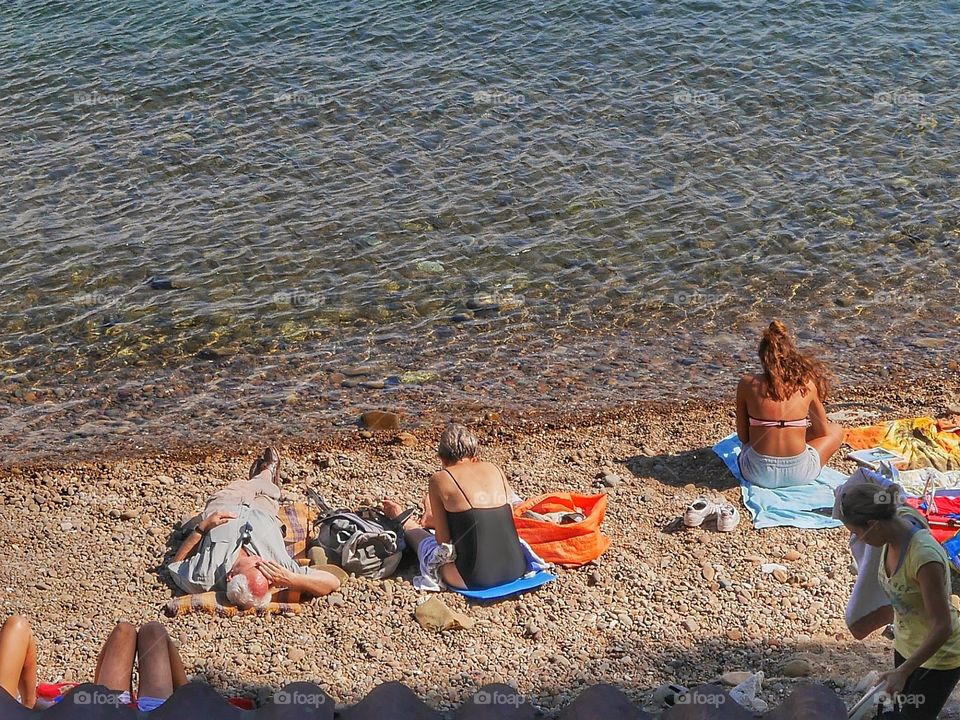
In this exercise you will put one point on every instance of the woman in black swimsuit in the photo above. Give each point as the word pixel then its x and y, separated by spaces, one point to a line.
pixel 468 507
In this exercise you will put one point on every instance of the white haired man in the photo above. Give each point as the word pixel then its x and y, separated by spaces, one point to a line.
pixel 238 544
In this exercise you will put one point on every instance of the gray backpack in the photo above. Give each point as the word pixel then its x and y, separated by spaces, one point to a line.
pixel 365 543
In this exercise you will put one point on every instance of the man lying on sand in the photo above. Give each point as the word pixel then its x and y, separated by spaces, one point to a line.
pixel 238 546
pixel 160 667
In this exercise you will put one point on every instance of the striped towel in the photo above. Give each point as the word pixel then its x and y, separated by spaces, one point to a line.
pixel 285 602
pixel 296 519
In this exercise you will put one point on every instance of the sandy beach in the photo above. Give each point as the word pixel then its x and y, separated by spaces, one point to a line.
pixel 82 544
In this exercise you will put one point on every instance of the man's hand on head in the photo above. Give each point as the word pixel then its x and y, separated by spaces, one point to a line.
pixel 278 575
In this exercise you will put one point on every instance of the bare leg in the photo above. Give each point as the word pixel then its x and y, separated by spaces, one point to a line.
pixel 416 534
pixel 427 520
pixel 826 443
pixel 115 664
pixel 18 660
pixel 177 671
pixel 155 656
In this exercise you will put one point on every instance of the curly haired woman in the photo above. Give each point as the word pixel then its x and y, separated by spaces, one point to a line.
pixel 781 421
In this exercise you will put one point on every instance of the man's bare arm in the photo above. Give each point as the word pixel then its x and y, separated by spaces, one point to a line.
pixel 190 542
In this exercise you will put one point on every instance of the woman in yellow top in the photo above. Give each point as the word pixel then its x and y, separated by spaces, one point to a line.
pixel 915 574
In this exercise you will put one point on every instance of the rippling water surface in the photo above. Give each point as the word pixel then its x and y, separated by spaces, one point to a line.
pixel 223 219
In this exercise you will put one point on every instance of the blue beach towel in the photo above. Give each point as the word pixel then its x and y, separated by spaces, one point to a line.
pixel 521 585
pixel 784 506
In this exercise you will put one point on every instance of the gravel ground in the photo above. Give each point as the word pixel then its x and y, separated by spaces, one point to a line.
pixel 82 544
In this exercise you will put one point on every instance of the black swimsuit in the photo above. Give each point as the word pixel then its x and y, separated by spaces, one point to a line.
pixel 488 548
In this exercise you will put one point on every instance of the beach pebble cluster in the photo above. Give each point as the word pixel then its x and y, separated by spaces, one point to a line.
pixel 82 547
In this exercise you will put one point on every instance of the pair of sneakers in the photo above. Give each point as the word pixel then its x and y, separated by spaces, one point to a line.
pixel 727 516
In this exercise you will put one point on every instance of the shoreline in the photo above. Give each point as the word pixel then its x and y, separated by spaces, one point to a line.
pixel 83 541
pixel 851 401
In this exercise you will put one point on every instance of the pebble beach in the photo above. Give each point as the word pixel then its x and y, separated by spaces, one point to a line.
pixel 82 544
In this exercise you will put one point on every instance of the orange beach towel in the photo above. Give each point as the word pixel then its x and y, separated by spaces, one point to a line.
pixel 920 440
pixel 573 544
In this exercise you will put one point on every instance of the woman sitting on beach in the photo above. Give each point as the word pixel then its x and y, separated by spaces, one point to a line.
pixel 160 667
pixel 915 574
pixel 475 544
pixel 781 422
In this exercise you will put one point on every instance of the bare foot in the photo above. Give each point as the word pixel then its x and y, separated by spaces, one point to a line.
pixel 427 520
pixel 392 509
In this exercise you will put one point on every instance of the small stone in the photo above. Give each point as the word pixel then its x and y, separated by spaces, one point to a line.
pixel 708 573
pixel 530 629
pixel 734 635
pixel 66 526
pixel 791 555
pixel 296 654
pixel 335 599
pixel 610 480
pixel 781 575
pixel 594 577
pixel 366 434
pixel 755 559
pixel 433 614
pixel 691 625
pixel 797 667
pixel 129 514
pixel 406 439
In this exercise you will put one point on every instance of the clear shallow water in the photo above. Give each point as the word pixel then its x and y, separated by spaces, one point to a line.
pixel 223 219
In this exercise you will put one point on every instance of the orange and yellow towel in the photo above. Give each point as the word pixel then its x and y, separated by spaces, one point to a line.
pixel 920 440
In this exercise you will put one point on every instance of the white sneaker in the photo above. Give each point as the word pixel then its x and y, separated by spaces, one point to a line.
pixel 728 517
pixel 698 511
